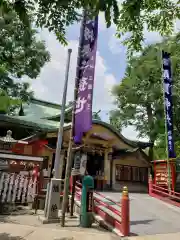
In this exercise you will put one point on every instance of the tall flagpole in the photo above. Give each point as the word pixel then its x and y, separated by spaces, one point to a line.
pixel 69 154
pixel 63 107
pixel 52 197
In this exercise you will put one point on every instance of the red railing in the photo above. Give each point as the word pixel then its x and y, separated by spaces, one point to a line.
pixel 108 205
pixel 78 190
pixel 109 199
pixel 163 193
pixel 113 213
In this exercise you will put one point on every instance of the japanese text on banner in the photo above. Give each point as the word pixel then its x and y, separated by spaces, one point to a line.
pixel 83 111
pixel 167 83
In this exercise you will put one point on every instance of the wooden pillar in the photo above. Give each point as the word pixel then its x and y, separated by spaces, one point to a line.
pixel 107 166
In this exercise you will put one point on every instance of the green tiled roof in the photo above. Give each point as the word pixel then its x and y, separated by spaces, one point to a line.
pixel 51 126
pixel 34 110
pixel 38 114
pixel 30 122
pixel 42 109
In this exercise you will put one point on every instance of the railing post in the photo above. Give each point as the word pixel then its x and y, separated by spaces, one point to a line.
pixel 125 211
pixel 150 185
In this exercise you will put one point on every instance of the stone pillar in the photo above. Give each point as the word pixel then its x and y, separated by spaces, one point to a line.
pixel 53 202
pixel 52 205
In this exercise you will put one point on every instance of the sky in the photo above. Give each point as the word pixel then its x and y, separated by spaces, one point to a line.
pixel 110 68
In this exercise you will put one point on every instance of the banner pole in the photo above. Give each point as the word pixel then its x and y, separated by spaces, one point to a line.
pixel 69 154
pixel 52 198
pixel 167 153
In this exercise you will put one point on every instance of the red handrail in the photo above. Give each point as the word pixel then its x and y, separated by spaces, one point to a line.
pixel 108 206
pixel 165 192
pixel 100 201
pixel 165 189
pixel 110 200
pixel 78 183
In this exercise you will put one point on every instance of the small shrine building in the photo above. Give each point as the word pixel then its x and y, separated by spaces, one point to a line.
pixel 111 158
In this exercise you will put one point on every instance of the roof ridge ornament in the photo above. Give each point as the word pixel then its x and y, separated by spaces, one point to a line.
pixel 9 133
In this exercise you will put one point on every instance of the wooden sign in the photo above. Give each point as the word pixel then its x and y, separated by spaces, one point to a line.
pixel 77 163
pixel 89 201
pixel 83 164
pixel 161 175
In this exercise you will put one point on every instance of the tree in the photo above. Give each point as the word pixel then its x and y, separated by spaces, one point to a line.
pixel 157 15
pixel 115 121
pixel 96 116
pixel 139 97
pixel 19 57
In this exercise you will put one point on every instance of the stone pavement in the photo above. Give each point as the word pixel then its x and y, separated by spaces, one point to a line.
pixel 11 231
pixel 173 236
pixel 24 225
pixel 150 216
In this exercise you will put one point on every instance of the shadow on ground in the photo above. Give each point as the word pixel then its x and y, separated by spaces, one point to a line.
pixel 16 211
pixel 143 222
pixel 6 236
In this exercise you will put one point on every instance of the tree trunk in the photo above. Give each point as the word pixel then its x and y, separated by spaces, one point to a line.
pixel 151 152
pixel 151 134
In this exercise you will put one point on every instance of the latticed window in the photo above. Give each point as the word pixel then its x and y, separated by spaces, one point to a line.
pixel 131 173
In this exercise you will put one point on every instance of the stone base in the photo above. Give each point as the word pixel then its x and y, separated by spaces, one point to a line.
pixel 45 220
pixel 73 217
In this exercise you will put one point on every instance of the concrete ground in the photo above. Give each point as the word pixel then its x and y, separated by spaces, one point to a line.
pixel 150 216
pixel 11 231
pixel 150 219
pixel 25 225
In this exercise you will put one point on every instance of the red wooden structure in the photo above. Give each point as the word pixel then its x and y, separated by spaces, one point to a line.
pixel 114 215
pixel 163 193
pixel 161 173
pixel 158 187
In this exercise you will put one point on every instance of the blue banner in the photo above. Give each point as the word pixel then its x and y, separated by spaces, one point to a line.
pixel 167 83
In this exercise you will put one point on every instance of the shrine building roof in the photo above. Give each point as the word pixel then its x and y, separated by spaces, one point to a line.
pixel 52 126
pixel 37 108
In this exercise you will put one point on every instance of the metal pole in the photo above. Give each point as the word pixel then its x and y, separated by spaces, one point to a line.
pixel 69 154
pixel 60 133
pixel 53 197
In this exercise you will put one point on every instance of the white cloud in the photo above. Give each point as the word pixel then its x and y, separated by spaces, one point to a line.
pixel 130 133
pixel 115 44
pixel 151 37
pixel 49 85
pixel 177 26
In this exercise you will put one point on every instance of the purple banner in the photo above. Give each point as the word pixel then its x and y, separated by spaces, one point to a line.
pixel 167 83
pixel 85 78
